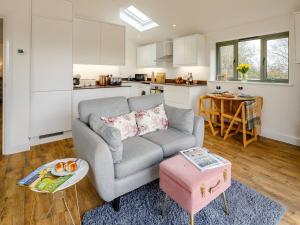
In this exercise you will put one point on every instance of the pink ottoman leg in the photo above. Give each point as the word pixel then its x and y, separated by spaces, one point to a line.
pixel 164 206
pixel 191 219
pixel 225 203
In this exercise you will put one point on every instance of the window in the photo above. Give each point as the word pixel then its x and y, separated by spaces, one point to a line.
pixel 137 19
pixel 268 57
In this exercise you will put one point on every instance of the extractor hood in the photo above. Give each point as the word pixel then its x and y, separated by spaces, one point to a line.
pixel 164 51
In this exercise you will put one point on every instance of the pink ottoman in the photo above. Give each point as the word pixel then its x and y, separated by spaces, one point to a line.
pixel 191 188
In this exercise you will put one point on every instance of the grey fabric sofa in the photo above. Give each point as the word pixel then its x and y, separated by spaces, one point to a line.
pixel 141 154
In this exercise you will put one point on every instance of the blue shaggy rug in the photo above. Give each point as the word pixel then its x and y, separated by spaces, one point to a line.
pixel 143 207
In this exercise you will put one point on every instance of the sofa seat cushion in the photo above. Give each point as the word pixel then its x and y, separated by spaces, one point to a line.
pixel 171 140
pixel 138 154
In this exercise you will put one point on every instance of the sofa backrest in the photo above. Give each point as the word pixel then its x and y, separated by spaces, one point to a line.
pixel 114 106
pixel 145 102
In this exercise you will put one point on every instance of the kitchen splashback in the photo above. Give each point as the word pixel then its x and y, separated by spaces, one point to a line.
pixel 93 71
pixel 199 72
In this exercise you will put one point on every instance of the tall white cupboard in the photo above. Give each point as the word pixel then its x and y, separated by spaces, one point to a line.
pixel 51 67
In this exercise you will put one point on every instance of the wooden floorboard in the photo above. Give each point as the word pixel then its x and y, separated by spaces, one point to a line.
pixel 270 167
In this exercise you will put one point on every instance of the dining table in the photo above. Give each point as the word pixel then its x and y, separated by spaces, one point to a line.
pixel 229 114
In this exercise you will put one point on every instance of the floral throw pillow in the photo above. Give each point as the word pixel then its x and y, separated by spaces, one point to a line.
pixel 125 123
pixel 151 120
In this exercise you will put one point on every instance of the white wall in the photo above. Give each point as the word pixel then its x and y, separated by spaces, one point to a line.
pixel 17 66
pixel 281 109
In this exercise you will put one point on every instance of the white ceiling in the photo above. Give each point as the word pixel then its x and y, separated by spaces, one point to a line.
pixel 190 16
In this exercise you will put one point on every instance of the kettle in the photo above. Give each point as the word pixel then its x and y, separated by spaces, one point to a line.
pixel 76 81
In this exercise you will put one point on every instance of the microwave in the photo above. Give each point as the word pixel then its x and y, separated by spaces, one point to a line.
pixel 139 77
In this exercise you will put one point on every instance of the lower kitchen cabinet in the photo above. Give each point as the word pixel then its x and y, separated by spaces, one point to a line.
pixel 138 88
pixel 50 112
pixel 184 97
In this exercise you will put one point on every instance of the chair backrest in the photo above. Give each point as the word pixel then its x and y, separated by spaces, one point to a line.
pixel 145 102
pixel 114 106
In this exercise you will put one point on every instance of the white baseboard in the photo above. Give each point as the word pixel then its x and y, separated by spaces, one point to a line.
pixel 17 149
pixel 38 141
pixel 281 137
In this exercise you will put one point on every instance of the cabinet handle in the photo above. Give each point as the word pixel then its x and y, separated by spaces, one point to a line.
pixel 225 175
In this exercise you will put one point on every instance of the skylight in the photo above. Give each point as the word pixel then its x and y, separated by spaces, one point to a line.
pixel 137 19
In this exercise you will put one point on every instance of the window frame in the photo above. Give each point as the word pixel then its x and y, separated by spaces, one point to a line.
pixel 263 60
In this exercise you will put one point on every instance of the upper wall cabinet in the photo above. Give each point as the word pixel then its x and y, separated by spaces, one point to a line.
pixel 51 64
pixel 86 42
pixel 146 56
pixel 189 51
pixel 56 9
pixel 297 36
pixel 112 44
pixel 98 43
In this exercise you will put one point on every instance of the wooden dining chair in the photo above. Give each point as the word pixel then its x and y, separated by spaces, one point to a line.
pixel 210 108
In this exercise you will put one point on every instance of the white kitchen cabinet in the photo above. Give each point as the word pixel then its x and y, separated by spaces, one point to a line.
pixel 139 57
pixel 189 51
pixel 183 97
pixel 98 43
pixel 86 94
pixel 50 112
pixel 86 42
pixel 112 44
pixel 178 51
pixel 55 9
pixel 51 54
pixel 51 67
pixel 297 36
pixel 146 56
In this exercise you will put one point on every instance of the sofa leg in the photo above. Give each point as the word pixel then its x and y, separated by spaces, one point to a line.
pixel 116 204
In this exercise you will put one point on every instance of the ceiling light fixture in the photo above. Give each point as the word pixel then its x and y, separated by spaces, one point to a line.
pixel 137 19
pixel 174 25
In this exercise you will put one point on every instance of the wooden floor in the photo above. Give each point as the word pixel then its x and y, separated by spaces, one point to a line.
pixel 270 167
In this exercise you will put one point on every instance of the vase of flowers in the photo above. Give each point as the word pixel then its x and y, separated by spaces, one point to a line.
pixel 243 69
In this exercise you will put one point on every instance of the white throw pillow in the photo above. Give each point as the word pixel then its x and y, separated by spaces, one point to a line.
pixel 151 120
pixel 125 123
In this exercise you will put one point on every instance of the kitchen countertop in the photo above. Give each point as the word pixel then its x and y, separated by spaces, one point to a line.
pixel 185 85
pixel 171 83
pixel 98 87
pixel 133 81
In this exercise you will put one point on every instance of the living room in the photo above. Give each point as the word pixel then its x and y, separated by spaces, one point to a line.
pixel 108 96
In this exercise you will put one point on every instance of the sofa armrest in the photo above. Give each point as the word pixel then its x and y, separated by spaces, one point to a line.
pixel 199 130
pixel 92 148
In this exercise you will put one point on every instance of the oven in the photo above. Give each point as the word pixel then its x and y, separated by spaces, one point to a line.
pixel 156 88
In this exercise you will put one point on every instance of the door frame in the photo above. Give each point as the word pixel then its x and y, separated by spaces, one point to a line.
pixel 7 72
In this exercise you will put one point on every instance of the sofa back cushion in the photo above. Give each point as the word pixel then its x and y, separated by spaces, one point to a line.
pixel 114 106
pixel 181 119
pixel 145 102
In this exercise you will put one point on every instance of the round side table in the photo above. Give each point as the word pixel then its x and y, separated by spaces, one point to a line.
pixel 59 193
